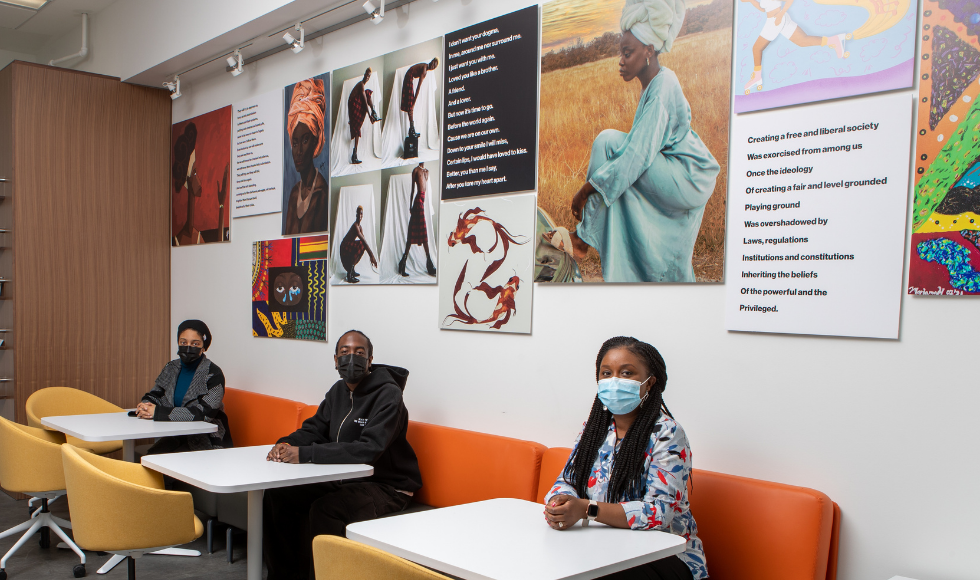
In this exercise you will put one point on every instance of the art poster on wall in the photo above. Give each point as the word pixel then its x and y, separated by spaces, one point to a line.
pixel 306 155
pixel 257 163
pixel 385 160
pixel 819 200
pixel 944 258
pixel 200 166
pixel 486 253
pixel 289 288
pixel 625 194
pixel 490 84
pixel 791 53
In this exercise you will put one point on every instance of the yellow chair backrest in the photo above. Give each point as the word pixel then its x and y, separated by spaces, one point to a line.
pixel 57 401
pixel 116 505
pixel 336 558
pixel 30 459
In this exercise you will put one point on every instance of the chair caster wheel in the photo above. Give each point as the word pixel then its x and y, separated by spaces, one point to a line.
pixel 3 574
pixel 78 571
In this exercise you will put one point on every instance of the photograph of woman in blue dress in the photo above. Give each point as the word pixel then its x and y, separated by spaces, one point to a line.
pixel 644 195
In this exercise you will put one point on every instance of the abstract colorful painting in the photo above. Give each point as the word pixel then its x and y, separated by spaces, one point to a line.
pixel 486 258
pixel 945 255
pixel 200 166
pixel 289 288
pixel 788 53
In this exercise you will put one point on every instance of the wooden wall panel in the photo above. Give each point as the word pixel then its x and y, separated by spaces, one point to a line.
pixel 92 228
pixel 6 255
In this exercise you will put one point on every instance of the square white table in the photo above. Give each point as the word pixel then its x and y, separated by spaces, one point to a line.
pixel 508 539
pixel 102 427
pixel 246 469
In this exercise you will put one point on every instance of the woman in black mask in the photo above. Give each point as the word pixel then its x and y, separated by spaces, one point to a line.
pixel 189 388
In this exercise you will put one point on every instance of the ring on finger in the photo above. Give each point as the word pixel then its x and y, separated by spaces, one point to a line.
pixel 561 524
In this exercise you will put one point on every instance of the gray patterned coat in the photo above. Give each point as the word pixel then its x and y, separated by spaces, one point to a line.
pixel 201 403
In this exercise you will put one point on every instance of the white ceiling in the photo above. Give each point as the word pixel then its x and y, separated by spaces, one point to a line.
pixel 24 30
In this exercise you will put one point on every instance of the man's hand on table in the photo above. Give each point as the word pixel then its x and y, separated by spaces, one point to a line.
pixel 283 453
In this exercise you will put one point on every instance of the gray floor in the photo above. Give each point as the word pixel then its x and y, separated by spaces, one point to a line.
pixel 32 562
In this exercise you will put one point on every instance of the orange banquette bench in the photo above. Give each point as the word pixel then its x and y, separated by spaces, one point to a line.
pixel 792 533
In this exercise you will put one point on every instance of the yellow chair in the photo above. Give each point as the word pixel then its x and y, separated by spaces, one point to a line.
pixel 30 463
pixel 336 558
pixel 58 401
pixel 122 508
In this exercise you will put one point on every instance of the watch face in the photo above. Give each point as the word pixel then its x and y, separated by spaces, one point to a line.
pixel 593 510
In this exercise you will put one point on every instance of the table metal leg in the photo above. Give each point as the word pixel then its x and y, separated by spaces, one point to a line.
pixel 254 564
pixel 129 450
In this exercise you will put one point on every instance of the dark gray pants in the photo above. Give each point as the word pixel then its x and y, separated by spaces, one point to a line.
pixel 293 516
pixel 671 568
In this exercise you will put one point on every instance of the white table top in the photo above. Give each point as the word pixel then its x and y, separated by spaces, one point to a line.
pixel 101 427
pixel 508 539
pixel 246 469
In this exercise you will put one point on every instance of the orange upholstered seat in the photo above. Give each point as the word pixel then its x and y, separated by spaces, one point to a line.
pixel 788 536
pixel 461 466
pixel 306 412
pixel 791 533
pixel 256 419
pixel 552 462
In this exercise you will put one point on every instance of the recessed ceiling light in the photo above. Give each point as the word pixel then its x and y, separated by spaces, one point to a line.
pixel 32 4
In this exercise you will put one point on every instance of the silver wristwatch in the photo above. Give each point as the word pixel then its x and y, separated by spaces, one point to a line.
pixel 591 513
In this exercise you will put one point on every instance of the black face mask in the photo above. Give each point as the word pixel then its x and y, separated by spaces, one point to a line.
pixel 188 354
pixel 352 368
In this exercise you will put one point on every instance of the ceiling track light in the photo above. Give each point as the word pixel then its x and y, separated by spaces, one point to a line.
pixel 235 61
pixel 377 13
pixel 174 87
pixel 297 45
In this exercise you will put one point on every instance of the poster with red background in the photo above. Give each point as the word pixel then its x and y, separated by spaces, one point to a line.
pixel 200 159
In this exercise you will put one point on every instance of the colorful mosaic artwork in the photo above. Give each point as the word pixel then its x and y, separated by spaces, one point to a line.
pixel 289 288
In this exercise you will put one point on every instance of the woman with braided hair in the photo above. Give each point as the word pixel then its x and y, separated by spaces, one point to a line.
pixel 630 465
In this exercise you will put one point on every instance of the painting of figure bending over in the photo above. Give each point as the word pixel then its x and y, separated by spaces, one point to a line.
pixel 200 162
pixel 486 262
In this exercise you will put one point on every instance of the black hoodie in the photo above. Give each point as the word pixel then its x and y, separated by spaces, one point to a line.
pixel 366 425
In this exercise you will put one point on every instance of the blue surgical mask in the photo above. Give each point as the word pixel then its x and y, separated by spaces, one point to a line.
pixel 619 395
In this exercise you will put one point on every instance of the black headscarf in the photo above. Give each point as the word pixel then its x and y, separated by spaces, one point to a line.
pixel 199 327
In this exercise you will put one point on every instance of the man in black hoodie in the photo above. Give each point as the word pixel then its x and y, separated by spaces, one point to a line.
pixel 362 419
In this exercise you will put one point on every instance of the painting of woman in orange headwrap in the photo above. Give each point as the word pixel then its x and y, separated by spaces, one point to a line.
pixel 306 195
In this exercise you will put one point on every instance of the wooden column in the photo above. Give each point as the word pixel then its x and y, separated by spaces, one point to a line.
pixel 90 207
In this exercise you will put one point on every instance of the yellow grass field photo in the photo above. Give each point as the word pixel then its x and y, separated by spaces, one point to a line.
pixel 582 94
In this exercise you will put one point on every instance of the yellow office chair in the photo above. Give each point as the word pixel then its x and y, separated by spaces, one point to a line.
pixel 104 495
pixel 336 558
pixel 57 401
pixel 30 463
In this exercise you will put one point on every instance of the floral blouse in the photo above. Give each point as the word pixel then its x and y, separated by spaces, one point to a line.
pixel 664 506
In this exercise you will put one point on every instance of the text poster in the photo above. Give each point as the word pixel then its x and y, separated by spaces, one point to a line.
pixel 257 155
pixel 817 220
pixel 491 114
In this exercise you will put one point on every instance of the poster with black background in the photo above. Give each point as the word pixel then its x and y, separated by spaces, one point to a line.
pixel 490 124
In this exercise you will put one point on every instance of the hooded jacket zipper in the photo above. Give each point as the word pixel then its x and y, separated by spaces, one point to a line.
pixel 347 415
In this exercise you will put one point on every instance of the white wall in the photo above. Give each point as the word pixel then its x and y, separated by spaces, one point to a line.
pixel 9 56
pixel 885 428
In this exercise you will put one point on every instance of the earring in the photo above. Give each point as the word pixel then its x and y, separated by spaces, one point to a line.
pixel 644 399
pixel 648 61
